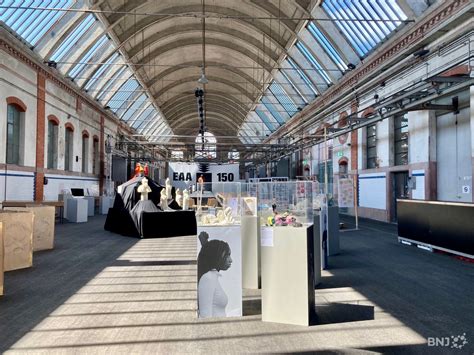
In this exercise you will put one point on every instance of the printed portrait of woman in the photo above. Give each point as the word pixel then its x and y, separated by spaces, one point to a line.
pixel 214 257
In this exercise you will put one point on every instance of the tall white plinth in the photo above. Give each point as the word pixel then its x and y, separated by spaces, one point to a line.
pixel 219 271
pixel 287 275
pixel 76 210
pixel 318 253
pixel 250 228
pixel 90 205
pixel 105 202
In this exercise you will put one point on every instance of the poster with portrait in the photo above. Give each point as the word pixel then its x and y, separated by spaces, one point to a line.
pixel 219 278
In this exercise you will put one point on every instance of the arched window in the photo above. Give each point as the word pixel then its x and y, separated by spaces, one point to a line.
pixel 85 151
pixel 68 147
pixel 53 124
pixel 95 155
pixel 14 134
pixel 206 146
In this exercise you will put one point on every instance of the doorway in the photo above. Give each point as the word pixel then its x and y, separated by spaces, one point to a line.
pixel 400 190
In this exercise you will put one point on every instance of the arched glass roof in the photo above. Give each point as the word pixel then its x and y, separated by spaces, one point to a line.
pixel 265 61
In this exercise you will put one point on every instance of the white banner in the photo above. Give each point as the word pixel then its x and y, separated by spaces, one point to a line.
pixel 182 175
pixel 219 271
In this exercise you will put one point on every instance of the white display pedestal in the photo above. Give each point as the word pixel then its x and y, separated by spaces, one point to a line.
pixel 250 230
pixel 76 210
pixel 333 230
pixel 227 281
pixel 17 239
pixel 43 226
pixel 90 205
pixel 1 258
pixel 318 251
pixel 287 275
pixel 105 203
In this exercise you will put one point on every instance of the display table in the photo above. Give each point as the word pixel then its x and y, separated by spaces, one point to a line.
pixel 287 275
pixel 17 239
pixel 43 226
pixel 1 258
pixel 250 229
pixel 76 209
pixel 447 226
pixel 219 280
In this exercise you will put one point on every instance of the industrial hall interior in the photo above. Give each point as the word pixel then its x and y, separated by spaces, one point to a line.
pixel 236 176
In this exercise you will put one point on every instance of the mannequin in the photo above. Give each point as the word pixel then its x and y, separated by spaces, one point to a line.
pixel 179 198
pixel 144 189
pixel 168 188
pixel 163 200
pixel 185 199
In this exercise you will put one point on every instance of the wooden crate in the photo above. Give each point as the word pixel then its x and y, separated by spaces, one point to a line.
pixel 17 239
pixel 43 226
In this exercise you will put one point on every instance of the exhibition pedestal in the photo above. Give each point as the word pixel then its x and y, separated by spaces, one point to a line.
pixel 76 210
pixel 43 226
pixel 105 202
pixel 333 230
pixel 318 249
pixel 250 230
pixel 287 275
pixel 17 239
pixel 1 258
pixel 219 271
pixel 90 205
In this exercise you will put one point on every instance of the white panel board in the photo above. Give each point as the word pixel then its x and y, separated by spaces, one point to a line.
pixel 372 190
pixel 419 192
pixel 16 185
pixel 182 175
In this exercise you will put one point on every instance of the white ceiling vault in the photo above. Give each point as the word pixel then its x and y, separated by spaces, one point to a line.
pixel 264 60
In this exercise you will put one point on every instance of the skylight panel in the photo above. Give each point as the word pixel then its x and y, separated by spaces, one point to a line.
pixel 102 71
pixel 135 108
pixel 282 97
pixel 31 24
pixel 319 36
pixel 73 38
pixel 302 75
pixel 294 87
pixel 265 120
pixel 272 110
pixel 87 56
pixel 365 23
pixel 314 62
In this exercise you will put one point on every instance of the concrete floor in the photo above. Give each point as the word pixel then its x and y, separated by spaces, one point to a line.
pixel 103 293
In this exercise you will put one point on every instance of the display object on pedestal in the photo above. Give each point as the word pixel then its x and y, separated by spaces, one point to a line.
pixel 287 250
pixel 218 203
pixel 219 277
pixel 250 231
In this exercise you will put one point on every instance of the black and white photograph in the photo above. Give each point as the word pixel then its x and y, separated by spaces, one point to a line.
pixel 219 273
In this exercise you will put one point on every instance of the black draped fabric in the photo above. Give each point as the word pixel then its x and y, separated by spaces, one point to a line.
pixel 138 209
pixel 129 196
pixel 127 215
